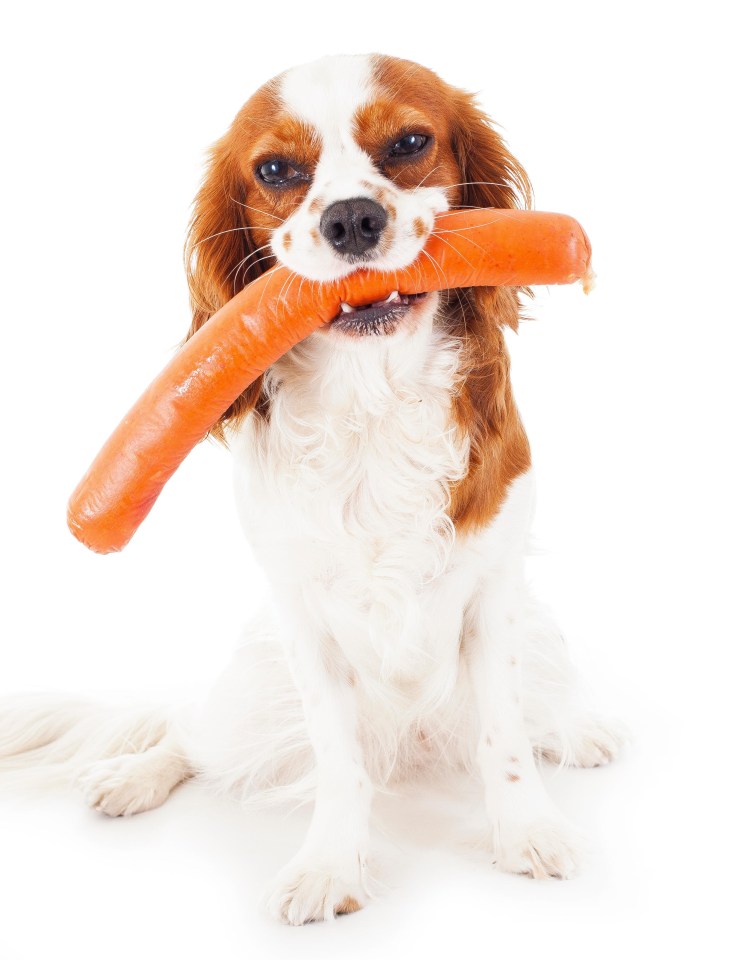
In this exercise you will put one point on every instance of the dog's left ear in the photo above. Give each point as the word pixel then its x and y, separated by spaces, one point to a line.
pixel 484 405
pixel 491 175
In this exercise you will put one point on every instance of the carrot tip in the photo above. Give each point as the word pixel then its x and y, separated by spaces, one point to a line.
pixel 589 280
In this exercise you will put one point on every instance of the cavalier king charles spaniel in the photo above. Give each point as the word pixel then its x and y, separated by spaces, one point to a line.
pixel 384 481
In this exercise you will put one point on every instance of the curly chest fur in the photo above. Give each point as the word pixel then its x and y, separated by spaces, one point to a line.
pixel 350 483
pixel 350 472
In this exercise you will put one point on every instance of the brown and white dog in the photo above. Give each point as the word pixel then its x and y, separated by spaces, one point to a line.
pixel 383 479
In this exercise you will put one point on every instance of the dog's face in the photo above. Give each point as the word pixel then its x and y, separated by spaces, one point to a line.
pixel 339 165
pixel 356 175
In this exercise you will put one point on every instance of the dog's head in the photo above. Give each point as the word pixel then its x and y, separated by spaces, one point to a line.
pixel 338 165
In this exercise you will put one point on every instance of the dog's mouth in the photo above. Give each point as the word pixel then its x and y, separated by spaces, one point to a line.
pixel 375 319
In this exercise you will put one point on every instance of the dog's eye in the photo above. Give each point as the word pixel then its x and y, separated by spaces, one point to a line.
pixel 277 171
pixel 411 143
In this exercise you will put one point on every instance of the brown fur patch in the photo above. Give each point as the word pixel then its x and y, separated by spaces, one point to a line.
pixel 348 905
pixel 410 99
pixel 316 236
pixel 316 206
pixel 420 228
pixel 287 240
pixel 484 408
pixel 513 777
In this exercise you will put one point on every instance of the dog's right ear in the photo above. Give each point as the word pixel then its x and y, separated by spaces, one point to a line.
pixel 220 254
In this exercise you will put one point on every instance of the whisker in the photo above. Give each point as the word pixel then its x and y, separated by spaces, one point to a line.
pixel 270 256
pixel 477 183
pixel 454 249
pixel 264 213
pixel 298 298
pixel 459 232
pixel 441 275
pixel 218 234
pixel 234 271
pixel 269 275
pixel 249 256
pixel 460 208
pixel 464 298
pixel 284 291
pixel 425 177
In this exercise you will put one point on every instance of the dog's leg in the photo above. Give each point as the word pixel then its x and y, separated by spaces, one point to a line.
pixel 329 873
pixel 561 726
pixel 530 835
pixel 134 782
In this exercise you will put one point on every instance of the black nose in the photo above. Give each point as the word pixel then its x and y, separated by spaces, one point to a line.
pixel 353 226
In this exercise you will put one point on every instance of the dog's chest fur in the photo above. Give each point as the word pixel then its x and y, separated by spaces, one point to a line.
pixel 344 488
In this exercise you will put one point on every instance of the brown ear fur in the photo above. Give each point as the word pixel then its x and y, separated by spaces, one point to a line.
pixel 484 406
pixel 220 254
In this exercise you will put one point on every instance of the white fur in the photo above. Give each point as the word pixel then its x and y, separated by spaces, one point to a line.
pixel 390 643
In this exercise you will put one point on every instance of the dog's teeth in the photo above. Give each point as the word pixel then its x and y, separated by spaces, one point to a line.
pixel 347 308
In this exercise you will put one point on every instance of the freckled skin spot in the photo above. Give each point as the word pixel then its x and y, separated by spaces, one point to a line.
pixel 316 239
pixel 512 777
pixel 316 206
pixel 287 241
pixel 420 227
pixel 392 212
pixel 488 740
pixel 513 760
pixel 514 662
pixel 365 184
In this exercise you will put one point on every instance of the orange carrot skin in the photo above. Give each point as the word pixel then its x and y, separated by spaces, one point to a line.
pixel 268 317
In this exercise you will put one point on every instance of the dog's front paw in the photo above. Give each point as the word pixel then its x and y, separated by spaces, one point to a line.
pixel 541 848
pixel 319 887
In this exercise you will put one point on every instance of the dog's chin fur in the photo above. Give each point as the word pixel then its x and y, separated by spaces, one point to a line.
pixel 384 483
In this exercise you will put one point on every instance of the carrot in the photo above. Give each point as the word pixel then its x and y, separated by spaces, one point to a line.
pixel 269 316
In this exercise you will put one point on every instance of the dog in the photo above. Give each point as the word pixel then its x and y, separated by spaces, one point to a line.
pixel 383 477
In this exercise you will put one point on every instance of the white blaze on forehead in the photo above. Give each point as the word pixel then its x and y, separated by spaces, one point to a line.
pixel 327 94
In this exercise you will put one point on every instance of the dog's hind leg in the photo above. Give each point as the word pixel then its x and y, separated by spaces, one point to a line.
pixel 561 727
pixel 125 758
pixel 135 782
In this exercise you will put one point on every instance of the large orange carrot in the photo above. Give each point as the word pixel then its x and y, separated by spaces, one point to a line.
pixel 276 311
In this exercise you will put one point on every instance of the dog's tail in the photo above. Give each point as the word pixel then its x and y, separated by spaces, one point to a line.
pixel 48 740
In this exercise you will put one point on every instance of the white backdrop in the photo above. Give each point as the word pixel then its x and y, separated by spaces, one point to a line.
pixel 637 401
